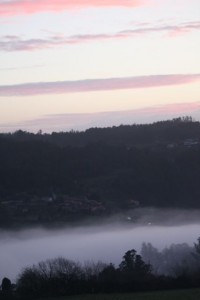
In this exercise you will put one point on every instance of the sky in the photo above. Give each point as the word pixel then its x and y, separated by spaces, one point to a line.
pixel 75 64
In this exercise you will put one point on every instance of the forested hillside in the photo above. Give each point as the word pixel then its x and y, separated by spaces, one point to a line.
pixel 146 165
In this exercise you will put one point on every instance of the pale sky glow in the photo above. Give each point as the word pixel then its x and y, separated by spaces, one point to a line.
pixel 76 58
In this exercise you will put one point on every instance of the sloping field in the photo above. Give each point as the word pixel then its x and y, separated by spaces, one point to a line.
pixel 192 294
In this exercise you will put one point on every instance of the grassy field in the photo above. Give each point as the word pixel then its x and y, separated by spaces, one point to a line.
pixel 193 294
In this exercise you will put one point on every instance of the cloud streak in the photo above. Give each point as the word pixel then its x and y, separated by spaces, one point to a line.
pixel 174 29
pixel 91 85
pixel 24 7
pixel 21 68
pixel 11 43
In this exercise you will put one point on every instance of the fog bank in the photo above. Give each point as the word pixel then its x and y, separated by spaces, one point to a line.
pixel 104 242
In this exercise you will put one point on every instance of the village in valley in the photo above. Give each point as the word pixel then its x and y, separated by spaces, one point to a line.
pixel 27 209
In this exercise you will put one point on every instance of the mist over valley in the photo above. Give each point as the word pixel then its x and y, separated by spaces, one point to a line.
pixel 105 241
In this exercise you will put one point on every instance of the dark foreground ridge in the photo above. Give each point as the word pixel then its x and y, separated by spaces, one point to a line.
pixel 67 176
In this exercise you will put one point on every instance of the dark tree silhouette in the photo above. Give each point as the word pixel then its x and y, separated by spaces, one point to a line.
pixel 6 287
pixel 57 276
pixel 197 246
pixel 133 263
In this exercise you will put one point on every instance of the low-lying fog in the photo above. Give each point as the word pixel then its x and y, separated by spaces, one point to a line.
pixel 107 242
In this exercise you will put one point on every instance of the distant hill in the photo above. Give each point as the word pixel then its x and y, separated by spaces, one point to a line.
pixel 176 130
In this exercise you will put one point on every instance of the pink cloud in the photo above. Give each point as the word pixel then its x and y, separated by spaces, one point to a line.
pixel 19 7
pixel 184 28
pixel 16 43
pixel 90 85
